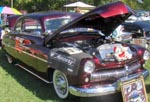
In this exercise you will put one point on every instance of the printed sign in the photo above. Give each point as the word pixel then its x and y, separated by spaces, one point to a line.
pixel 134 91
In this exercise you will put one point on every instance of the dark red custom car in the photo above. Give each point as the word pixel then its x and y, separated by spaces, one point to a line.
pixel 12 20
pixel 74 52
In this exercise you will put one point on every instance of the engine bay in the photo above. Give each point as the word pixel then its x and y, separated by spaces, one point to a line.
pixel 104 49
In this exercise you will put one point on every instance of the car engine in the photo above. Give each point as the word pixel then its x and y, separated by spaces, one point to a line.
pixel 103 49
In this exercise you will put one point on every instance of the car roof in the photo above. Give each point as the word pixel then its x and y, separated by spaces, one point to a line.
pixel 141 24
pixel 45 14
pixel 40 15
pixel 12 20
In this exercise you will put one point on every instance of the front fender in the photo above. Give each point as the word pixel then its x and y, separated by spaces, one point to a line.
pixel 66 61
pixel 140 50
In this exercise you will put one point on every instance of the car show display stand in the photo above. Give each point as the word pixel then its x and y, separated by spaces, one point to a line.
pixel 134 90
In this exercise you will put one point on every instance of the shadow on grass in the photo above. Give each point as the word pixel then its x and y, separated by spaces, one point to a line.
pixel 45 91
pixel 148 89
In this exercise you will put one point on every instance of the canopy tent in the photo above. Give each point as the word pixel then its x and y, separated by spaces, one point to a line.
pixel 5 11
pixel 80 4
pixel 9 10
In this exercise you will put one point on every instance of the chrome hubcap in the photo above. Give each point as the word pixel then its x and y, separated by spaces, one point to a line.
pixel 61 84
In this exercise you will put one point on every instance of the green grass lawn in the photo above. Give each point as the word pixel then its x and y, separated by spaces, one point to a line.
pixel 16 85
pixel 147 82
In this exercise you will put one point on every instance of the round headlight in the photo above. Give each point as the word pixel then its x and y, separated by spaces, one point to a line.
pixel 89 66
pixel 146 55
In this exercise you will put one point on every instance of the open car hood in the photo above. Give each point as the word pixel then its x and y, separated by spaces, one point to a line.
pixel 105 18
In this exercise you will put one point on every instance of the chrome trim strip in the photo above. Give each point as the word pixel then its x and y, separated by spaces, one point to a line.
pixel 46 81
pixel 105 89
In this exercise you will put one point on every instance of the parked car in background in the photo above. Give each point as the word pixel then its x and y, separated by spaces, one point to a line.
pixel 140 31
pixel 137 32
pixel 142 15
pixel 72 52
pixel 139 28
pixel 139 15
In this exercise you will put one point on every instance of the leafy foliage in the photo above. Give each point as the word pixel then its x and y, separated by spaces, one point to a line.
pixel 46 5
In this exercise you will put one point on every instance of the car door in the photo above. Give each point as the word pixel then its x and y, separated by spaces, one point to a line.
pixel 9 40
pixel 35 54
pixel 28 44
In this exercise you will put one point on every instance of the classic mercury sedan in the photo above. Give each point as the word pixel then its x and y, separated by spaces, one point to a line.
pixel 75 52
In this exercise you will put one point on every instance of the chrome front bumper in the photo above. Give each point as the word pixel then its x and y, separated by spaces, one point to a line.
pixel 105 89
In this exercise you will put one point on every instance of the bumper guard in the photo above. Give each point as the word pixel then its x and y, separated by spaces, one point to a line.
pixel 105 89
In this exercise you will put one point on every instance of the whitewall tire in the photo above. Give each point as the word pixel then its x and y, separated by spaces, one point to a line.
pixel 60 84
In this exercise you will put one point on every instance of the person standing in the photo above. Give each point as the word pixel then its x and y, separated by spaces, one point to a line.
pixel 0 36
pixel 77 10
pixel 2 33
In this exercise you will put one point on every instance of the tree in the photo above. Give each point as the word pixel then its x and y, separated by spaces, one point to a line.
pixel 145 5
pixel 4 3
pixel 46 5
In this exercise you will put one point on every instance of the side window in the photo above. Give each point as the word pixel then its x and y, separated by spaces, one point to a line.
pixel 18 26
pixel 32 27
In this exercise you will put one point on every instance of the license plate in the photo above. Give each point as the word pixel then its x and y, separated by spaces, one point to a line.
pixel 134 90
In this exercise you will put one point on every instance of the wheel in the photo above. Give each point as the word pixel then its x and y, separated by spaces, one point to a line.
pixel 60 84
pixel 9 59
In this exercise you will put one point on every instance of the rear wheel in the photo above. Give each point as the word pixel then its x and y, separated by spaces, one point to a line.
pixel 60 83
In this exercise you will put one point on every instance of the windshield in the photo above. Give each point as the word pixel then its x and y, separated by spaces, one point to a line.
pixel 53 24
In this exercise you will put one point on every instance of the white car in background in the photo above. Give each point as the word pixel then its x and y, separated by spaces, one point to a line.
pixel 140 15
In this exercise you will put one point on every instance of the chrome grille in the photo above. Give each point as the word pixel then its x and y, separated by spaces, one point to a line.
pixel 115 73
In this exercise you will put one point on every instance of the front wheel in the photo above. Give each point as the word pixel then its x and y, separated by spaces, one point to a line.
pixel 60 83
